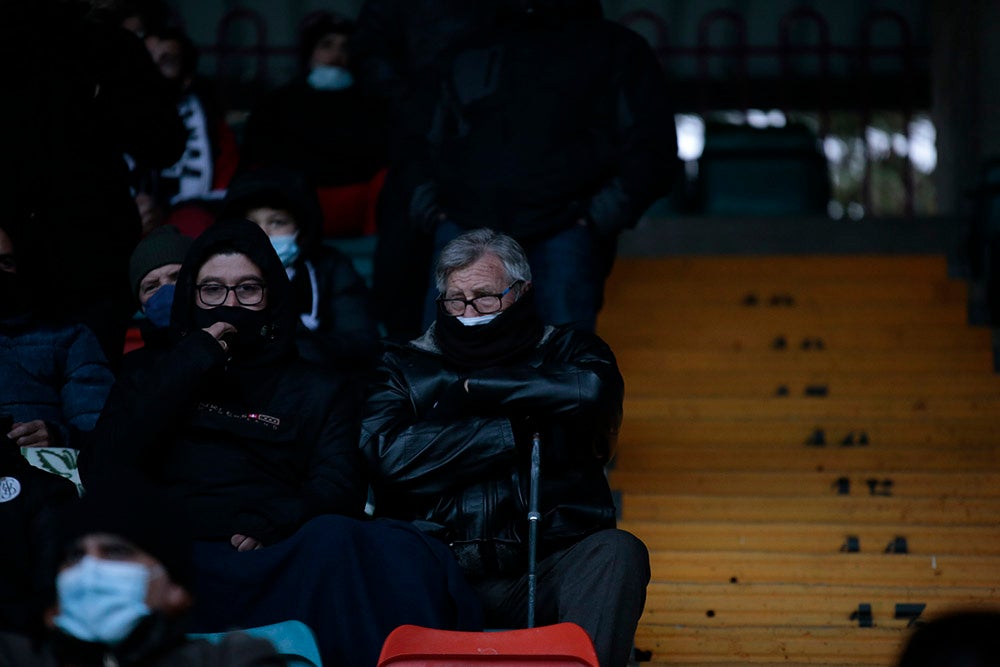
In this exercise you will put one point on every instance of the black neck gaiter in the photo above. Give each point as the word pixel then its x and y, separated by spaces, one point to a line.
pixel 509 335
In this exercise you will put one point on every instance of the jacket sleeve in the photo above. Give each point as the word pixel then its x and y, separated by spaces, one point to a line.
pixel 645 137
pixel 583 386
pixel 347 334
pixel 414 453
pixel 87 380
pixel 145 404
pixel 336 482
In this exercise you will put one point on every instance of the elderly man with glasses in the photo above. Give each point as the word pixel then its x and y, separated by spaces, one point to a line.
pixel 447 433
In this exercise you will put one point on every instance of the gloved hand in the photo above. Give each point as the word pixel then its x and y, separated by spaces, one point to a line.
pixel 452 403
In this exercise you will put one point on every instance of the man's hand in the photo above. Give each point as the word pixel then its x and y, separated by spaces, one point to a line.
pixel 31 434
pixel 218 330
pixel 245 542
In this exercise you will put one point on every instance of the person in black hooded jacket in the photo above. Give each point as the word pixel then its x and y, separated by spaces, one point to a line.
pixel 260 449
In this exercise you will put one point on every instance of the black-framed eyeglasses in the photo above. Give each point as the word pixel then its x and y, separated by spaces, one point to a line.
pixel 215 294
pixel 486 304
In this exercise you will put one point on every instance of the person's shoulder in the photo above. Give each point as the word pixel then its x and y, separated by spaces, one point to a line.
pixel 570 341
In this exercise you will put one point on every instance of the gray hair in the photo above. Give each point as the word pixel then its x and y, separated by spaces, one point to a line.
pixel 470 246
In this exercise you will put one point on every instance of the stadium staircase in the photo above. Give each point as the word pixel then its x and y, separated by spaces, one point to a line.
pixel 811 451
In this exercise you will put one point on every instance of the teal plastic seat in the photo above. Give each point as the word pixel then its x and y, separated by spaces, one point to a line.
pixel 293 640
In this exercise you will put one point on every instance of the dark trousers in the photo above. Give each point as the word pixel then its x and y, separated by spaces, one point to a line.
pixel 599 583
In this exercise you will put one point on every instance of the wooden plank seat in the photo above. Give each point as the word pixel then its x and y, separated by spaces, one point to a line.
pixel 840 568
pixel 857 510
pixel 775 319
pixel 805 645
pixel 782 483
pixel 742 383
pixel 832 461
pixel 769 433
pixel 825 268
pixel 670 362
pixel 830 537
pixel 716 605
pixel 872 408
pixel 767 293
pixel 626 332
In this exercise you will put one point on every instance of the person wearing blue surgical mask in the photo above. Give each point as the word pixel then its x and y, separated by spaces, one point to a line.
pixel 123 592
pixel 320 123
pixel 328 64
pixel 335 327
pixel 153 269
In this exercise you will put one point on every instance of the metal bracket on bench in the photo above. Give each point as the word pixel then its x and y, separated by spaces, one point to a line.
pixel 897 546
pixel 817 438
pixel 863 615
pixel 879 487
pixel 910 611
pixel 843 486
pixel 851 545
pixel 855 438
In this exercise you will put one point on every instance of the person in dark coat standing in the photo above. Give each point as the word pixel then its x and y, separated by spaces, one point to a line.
pixel 395 50
pixel 321 123
pixel 80 94
pixel 260 449
pixel 556 128
pixel 447 434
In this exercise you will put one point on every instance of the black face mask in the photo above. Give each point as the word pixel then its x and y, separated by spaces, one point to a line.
pixel 509 335
pixel 254 329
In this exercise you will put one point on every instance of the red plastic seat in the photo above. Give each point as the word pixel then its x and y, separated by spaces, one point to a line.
pixel 560 645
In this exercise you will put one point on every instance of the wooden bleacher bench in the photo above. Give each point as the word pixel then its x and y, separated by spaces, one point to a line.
pixel 787 421
pixel 858 510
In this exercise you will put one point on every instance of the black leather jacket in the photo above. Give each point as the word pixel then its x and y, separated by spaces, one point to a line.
pixel 456 463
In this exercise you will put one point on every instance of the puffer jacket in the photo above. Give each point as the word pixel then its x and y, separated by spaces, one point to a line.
pixel 54 373
pixel 456 463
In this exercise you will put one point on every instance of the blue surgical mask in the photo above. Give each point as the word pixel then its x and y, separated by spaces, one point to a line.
pixel 330 77
pixel 102 601
pixel 157 308
pixel 286 247
pixel 477 321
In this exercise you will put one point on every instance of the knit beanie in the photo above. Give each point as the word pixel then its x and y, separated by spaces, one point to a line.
pixel 135 512
pixel 164 245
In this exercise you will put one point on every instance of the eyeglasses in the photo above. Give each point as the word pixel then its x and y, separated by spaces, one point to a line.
pixel 247 294
pixel 484 305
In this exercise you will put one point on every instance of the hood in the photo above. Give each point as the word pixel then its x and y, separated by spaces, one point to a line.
pixel 278 188
pixel 245 237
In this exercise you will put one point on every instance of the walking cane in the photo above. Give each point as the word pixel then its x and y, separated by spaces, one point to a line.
pixel 533 518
